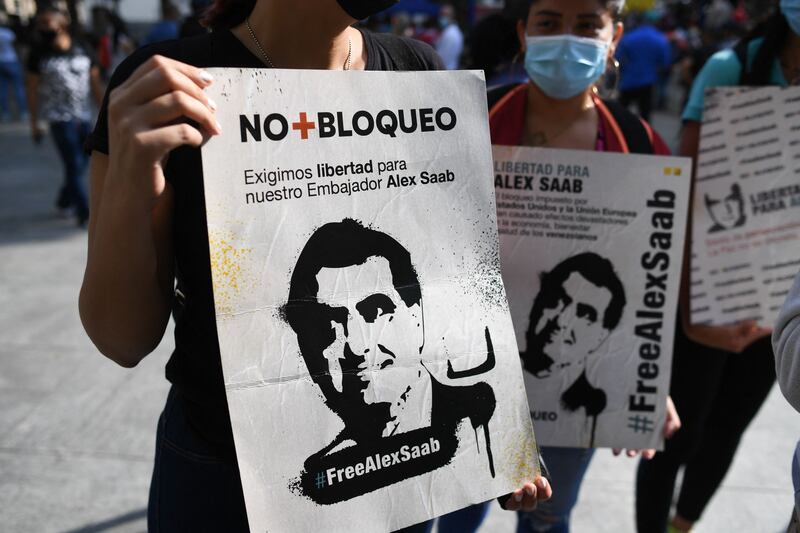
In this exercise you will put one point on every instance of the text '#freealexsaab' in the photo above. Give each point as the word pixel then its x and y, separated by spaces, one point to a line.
pixel 650 317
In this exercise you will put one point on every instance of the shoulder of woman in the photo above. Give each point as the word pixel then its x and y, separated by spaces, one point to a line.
pixel 722 68
pixel 406 53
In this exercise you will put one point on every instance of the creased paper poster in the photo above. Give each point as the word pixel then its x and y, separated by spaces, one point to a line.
pixel 746 212
pixel 591 246
pixel 369 358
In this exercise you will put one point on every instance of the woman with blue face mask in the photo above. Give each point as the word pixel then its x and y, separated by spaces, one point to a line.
pixel 567 45
pixel 721 375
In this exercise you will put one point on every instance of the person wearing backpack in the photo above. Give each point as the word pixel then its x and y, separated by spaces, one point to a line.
pixel 721 374
pixel 560 108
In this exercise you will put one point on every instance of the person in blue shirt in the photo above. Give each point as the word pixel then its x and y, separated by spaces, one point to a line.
pixel 11 78
pixel 644 55
pixel 168 28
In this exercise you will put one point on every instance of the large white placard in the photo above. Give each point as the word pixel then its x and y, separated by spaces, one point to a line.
pixel 591 246
pixel 370 363
pixel 746 212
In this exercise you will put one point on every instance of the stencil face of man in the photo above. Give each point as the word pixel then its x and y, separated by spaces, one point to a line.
pixel 726 212
pixel 571 324
pixel 377 336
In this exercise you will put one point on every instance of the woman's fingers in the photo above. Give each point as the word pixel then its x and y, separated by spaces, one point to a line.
pixel 529 495
pixel 648 453
pixel 514 500
pixel 177 104
pixel 155 83
pixel 161 81
pixel 159 142
pixel 201 77
pixel 545 491
pixel 673 421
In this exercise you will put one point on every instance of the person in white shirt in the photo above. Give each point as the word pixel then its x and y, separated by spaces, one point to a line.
pixel 451 41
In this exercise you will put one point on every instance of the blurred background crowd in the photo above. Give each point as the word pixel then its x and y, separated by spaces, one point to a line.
pixel 665 44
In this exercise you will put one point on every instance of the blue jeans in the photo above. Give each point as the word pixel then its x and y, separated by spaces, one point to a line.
pixel 466 520
pixel 69 138
pixel 194 487
pixel 567 467
pixel 11 77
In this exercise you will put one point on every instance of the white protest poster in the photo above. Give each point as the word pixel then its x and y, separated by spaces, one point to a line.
pixel 746 212
pixel 591 246
pixel 369 358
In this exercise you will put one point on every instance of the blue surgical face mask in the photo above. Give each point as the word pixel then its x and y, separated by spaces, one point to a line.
pixel 563 66
pixel 791 10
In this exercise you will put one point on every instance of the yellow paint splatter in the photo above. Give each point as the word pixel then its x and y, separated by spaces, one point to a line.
pixel 226 269
pixel 522 462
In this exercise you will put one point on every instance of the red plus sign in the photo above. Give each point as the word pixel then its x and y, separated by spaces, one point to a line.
pixel 304 125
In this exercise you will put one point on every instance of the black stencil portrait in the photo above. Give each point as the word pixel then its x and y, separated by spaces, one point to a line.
pixel 728 212
pixel 579 303
pixel 357 308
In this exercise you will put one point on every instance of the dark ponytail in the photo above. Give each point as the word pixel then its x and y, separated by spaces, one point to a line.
pixel 225 14
pixel 775 31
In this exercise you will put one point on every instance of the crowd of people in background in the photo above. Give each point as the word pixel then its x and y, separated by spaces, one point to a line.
pixel 662 46
pixel 55 70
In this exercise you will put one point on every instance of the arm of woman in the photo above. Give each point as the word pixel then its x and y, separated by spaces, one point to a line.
pixel 128 283
pixel 127 286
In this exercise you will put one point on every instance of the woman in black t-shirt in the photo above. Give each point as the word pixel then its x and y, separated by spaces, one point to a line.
pixel 148 227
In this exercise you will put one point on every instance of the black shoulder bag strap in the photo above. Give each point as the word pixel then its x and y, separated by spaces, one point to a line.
pixel 496 94
pixel 635 133
pixel 740 50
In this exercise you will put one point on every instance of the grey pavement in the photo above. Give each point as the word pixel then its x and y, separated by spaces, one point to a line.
pixel 77 432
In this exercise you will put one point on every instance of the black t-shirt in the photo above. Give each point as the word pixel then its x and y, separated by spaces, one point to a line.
pixel 194 367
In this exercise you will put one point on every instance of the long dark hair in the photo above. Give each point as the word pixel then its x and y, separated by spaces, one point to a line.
pixel 225 14
pixel 775 31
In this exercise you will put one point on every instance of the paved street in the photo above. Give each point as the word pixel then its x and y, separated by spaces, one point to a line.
pixel 76 431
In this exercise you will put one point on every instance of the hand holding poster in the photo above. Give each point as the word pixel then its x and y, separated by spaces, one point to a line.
pixel 370 364
pixel 746 211
pixel 591 246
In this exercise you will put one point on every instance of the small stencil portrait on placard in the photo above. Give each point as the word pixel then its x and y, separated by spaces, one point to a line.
pixel 579 303
pixel 728 212
pixel 356 306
